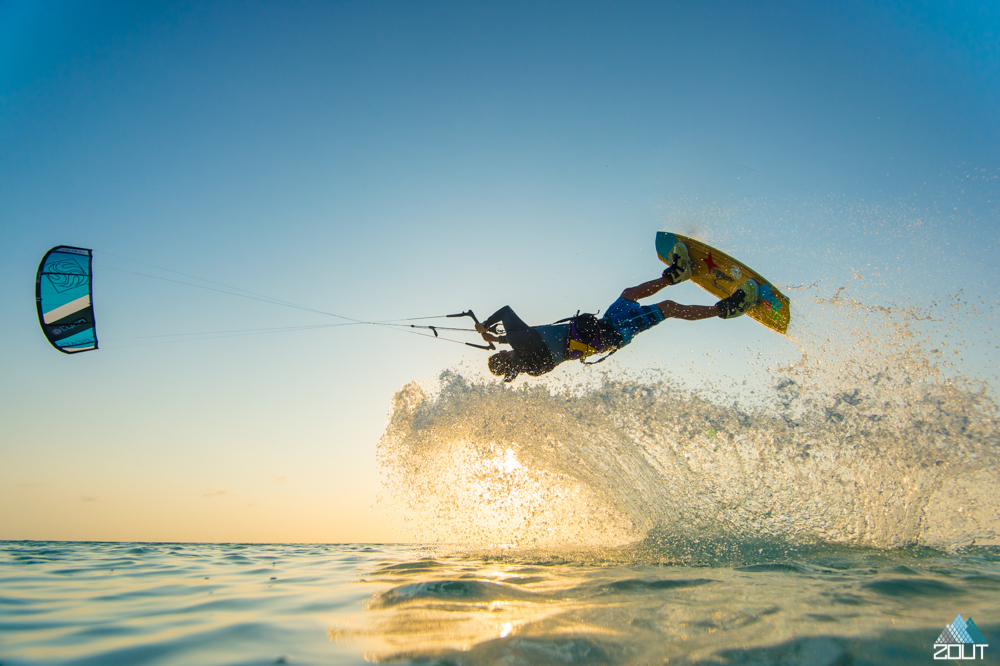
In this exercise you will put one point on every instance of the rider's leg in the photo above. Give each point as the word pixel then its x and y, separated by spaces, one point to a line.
pixel 647 289
pixel 672 310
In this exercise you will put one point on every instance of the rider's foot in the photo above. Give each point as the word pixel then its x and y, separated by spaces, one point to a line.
pixel 737 303
pixel 680 266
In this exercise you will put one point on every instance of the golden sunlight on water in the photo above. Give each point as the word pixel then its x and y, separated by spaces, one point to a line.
pixel 461 609
pixel 224 604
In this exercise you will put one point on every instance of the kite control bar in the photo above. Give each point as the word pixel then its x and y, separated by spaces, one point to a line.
pixel 469 313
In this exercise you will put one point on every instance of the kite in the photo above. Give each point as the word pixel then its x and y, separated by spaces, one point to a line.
pixel 64 297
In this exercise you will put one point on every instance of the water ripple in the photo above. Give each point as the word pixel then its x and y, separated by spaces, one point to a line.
pixel 183 604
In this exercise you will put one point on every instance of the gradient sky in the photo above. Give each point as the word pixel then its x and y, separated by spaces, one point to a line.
pixel 385 160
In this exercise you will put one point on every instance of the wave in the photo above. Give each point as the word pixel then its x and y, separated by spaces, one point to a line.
pixel 861 441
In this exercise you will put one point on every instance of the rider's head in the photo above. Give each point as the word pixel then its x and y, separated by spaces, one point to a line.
pixel 504 364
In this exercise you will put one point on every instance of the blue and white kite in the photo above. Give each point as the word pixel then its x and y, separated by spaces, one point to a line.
pixel 65 300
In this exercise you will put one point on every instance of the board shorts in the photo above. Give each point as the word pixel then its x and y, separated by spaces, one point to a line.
pixel 629 318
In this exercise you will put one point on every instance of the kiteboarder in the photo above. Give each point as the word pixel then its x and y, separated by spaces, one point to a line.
pixel 536 350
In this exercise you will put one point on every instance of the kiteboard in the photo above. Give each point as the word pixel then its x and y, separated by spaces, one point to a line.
pixel 720 275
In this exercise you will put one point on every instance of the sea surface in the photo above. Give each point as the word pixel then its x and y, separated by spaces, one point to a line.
pixel 225 604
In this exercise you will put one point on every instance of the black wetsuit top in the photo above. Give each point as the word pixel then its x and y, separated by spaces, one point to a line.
pixel 532 353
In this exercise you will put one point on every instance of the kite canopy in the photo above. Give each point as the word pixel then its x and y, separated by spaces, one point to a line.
pixel 64 298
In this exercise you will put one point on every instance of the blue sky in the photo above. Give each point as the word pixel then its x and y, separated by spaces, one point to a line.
pixel 386 160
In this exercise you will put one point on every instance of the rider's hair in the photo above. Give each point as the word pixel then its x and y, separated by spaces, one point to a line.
pixel 504 365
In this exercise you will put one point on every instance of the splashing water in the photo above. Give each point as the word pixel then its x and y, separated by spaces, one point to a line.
pixel 861 441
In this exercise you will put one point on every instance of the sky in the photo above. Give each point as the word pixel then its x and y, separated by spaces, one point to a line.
pixel 389 160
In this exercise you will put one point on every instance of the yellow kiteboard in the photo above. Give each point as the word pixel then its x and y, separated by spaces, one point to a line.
pixel 720 275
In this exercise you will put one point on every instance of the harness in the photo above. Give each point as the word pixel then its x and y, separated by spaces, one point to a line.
pixel 588 336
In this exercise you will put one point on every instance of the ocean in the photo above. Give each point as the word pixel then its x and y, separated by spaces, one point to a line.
pixel 226 604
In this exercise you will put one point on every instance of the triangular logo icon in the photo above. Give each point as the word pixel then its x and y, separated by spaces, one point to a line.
pixel 946 637
pixel 974 633
pixel 959 631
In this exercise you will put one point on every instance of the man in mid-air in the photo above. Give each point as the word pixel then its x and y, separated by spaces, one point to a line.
pixel 537 350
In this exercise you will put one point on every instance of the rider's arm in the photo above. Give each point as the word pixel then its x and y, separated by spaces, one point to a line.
pixel 489 337
pixel 491 321
pixel 495 318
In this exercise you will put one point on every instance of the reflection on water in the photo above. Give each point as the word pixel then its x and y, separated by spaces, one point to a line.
pixel 829 606
pixel 81 603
